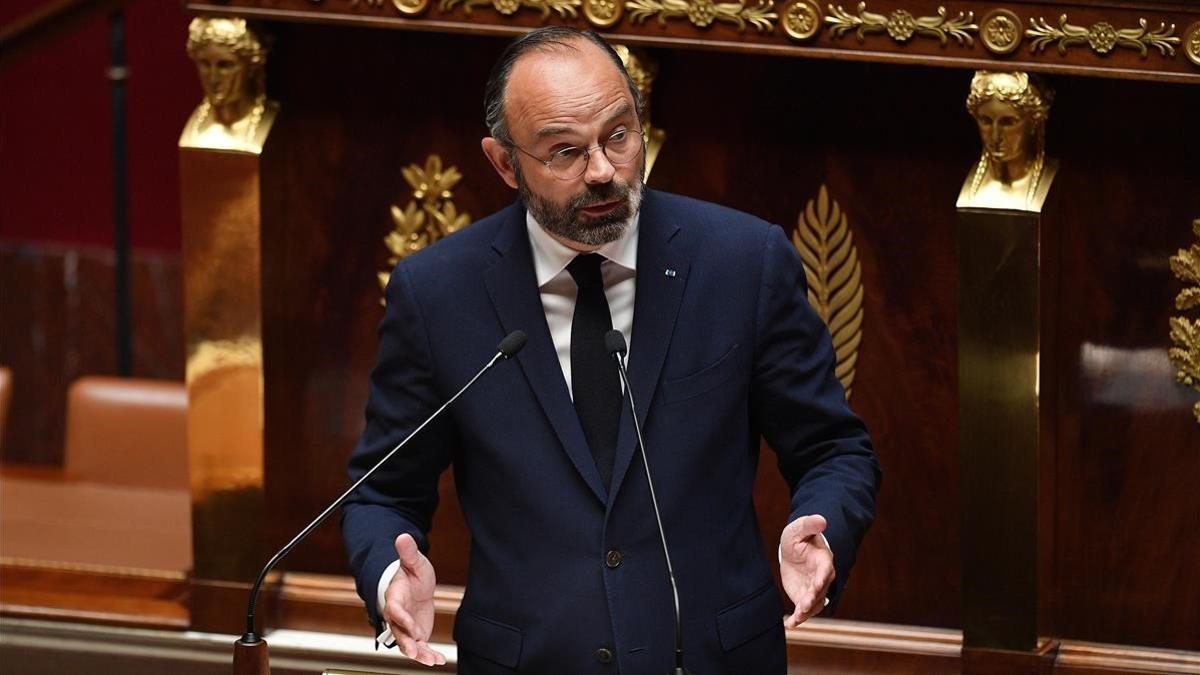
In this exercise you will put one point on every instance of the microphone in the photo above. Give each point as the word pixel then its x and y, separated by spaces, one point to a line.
pixel 614 342
pixel 250 652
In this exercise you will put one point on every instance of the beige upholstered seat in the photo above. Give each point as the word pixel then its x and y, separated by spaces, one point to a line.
pixel 124 431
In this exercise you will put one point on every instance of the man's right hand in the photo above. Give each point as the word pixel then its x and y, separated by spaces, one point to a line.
pixel 408 603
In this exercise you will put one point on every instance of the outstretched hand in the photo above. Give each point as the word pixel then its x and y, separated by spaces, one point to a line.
pixel 805 567
pixel 408 603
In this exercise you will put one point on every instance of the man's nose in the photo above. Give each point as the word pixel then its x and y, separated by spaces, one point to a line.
pixel 599 169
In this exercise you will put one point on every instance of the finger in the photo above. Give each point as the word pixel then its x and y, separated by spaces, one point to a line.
pixel 403 621
pixel 410 554
pixel 430 656
pixel 807 526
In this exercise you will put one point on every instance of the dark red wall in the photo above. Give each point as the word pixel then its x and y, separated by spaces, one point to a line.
pixel 56 131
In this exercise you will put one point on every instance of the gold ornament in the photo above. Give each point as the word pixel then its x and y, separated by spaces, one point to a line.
pixel 642 71
pixel 564 8
pixel 702 13
pixel 411 7
pixel 428 217
pixel 1102 37
pixel 901 25
pixel 1191 43
pixel 1185 333
pixel 602 13
pixel 802 19
pixel 1000 31
pixel 835 288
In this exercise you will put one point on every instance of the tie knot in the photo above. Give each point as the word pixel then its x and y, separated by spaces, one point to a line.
pixel 585 269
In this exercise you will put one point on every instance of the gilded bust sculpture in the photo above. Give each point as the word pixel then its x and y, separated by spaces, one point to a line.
pixel 1012 172
pixel 235 114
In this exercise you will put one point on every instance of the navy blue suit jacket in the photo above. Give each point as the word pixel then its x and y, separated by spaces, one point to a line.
pixel 725 349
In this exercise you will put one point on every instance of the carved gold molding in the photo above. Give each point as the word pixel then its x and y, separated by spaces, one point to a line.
pixel 702 13
pixel 1191 43
pixel 1102 37
pixel 564 8
pixel 1000 31
pixel 1185 333
pixel 429 216
pixel 901 25
pixel 835 288
pixel 802 19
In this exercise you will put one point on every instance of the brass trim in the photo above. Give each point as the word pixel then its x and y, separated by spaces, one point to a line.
pixel 802 19
pixel 702 13
pixel 1191 43
pixel 1102 37
pixel 1185 333
pixel 1000 32
pixel 87 568
pixel 835 288
pixel 902 26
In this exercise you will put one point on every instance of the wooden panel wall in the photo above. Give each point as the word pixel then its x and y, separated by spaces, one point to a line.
pixel 57 323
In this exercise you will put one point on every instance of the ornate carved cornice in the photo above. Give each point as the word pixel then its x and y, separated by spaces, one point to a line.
pixel 1157 40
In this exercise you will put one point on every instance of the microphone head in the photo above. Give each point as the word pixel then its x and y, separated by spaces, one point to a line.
pixel 512 343
pixel 614 342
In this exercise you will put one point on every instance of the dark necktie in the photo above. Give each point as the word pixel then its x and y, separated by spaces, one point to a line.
pixel 595 384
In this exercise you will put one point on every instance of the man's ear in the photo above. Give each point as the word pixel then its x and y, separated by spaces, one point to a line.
pixel 501 159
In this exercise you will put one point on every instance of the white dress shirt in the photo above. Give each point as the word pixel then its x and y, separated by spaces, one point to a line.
pixel 557 289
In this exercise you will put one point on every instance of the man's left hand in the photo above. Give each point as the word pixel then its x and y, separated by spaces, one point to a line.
pixel 806 568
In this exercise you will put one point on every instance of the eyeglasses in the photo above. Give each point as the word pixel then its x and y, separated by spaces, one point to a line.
pixel 569 163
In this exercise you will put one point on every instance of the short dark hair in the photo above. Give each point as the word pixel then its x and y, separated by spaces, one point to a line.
pixel 547 38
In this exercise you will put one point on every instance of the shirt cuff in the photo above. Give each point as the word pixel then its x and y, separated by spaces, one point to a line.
pixel 385 638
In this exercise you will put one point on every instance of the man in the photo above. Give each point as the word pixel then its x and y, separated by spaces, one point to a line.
pixel 567 574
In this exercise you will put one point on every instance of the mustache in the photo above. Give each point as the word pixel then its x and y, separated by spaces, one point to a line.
pixel 599 194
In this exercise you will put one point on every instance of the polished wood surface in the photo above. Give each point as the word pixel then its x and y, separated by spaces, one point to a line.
pixel 1159 64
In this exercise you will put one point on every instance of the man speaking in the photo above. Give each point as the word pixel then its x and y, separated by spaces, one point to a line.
pixel 567 571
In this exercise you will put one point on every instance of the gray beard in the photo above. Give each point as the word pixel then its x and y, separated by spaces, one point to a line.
pixel 564 221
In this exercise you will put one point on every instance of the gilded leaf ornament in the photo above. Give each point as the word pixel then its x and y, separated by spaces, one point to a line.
pixel 1185 333
pixel 835 288
pixel 1102 37
pixel 702 13
pixel 564 8
pixel 901 25
pixel 429 216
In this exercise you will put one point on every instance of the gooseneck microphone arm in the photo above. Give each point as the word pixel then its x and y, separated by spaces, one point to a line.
pixel 614 342
pixel 508 347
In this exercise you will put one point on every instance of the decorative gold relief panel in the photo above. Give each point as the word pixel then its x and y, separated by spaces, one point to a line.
pixel 1185 333
pixel 429 215
pixel 901 25
pixel 1102 37
pixel 702 13
pixel 835 288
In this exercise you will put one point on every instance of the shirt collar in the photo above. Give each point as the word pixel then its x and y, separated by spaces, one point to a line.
pixel 551 257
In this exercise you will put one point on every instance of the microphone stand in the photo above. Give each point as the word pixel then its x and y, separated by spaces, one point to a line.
pixel 615 342
pixel 250 653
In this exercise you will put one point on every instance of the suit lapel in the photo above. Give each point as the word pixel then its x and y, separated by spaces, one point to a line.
pixel 512 285
pixel 662 271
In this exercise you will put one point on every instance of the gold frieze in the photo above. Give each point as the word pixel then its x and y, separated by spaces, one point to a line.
pixel 1185 333
pixel 429 215
pixel 901 25
pixel 835 288
pixel 802 19
pixel 1102 37
pixel 702 13
pixel 603 13
pixel 235 114
pixel 1000 31
pixel 1191 43
pixel 1012 173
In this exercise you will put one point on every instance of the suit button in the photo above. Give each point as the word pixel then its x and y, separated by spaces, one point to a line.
pixel 604 655
pixel 612 559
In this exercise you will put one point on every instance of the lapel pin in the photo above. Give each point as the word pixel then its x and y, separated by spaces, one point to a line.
pixel 670 273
